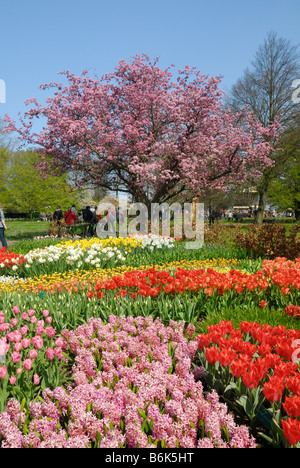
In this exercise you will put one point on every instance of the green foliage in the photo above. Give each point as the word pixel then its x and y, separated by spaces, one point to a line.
pixel 26 190
pixel 285 190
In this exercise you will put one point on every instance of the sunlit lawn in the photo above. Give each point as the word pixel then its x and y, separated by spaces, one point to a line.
pixel 23 229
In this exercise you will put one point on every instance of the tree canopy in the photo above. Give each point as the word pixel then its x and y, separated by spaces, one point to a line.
pixel 147 133
pixel 25 190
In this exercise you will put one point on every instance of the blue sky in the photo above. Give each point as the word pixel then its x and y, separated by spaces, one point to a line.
pixel 40 39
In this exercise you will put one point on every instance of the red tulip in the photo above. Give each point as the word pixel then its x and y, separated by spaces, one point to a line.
pixel 292 406
pixel 291 430
pixel 273 389
pixel 238 368
pixel 212 355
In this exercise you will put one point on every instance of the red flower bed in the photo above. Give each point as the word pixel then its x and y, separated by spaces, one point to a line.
pixel 259 363
pixel 293 311
pixel 281 273
pixel 9 259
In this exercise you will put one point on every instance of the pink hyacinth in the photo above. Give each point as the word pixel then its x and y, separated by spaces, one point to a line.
pixel 12 436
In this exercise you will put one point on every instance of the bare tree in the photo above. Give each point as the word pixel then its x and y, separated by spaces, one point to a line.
pixel 266 88
pixel 7 142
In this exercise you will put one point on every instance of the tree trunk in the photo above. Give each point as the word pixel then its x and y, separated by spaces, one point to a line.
pixel 297 210
pixel 263 192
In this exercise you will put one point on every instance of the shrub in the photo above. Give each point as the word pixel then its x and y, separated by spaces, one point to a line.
pixel 269 241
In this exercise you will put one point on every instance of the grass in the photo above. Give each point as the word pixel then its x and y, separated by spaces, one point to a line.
pixel 24 229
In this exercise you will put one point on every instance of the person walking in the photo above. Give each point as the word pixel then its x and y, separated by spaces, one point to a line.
pixel 2 226
pixel 70 217
pixel 212 216
pixel 58 214
pixel 88 217
pixel 87 214
pixel 217 215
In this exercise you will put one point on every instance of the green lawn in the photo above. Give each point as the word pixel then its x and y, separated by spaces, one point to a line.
pixel 23 229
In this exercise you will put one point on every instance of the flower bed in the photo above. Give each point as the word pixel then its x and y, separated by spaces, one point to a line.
pixel 68 279
pixel 79 254
pixel 9 261
pixel 133 387
pixel 28 343
pixel 71 379
pixel 234 283
pixel 256 367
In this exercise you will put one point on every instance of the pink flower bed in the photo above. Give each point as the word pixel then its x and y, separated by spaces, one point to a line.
pixel 28 342
pixel 133 387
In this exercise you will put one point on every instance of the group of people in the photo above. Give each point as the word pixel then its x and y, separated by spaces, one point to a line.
pixel 215 214
pixel 71 217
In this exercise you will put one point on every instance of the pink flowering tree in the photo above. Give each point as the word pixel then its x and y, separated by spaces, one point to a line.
pixel 153 136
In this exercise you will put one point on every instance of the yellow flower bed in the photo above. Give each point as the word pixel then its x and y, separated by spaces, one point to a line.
pixel 109 242
pixel 81 278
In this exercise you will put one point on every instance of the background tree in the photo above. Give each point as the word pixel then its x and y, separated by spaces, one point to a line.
pixel 284 190
pixel 27 191
pixel 6 146
pixel 4 160
pixel 153 137
pixel 266 89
